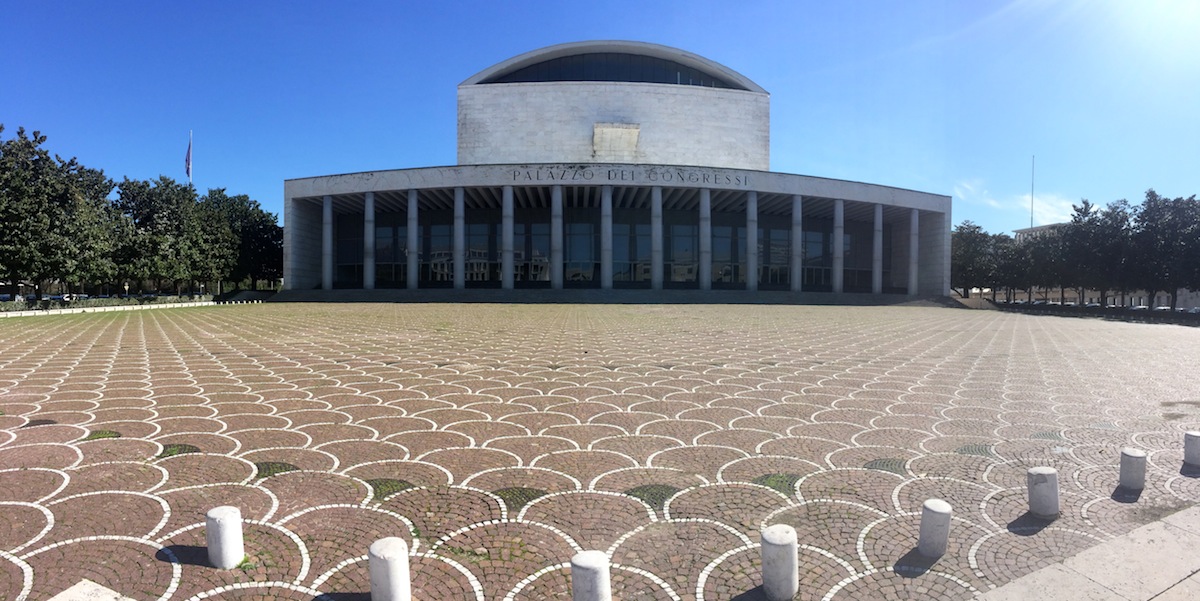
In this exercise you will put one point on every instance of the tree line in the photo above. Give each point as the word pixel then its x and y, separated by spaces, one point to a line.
pixel 63 224
pixel 1116 249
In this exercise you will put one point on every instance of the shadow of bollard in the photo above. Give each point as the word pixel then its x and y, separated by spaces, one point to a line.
pixel 1122 494
pixel 188 555
pixel 913 564
pixel 1028 524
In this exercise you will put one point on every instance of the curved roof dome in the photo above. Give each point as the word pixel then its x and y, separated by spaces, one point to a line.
pixel 614 61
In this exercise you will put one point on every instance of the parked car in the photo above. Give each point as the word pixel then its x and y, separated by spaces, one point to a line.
pixel 1162 308
pixel 1139 308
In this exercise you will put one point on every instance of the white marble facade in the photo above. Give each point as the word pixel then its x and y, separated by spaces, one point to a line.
pixel 661 181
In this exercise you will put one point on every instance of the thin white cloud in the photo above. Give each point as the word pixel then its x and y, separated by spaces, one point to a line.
pixel 1048 207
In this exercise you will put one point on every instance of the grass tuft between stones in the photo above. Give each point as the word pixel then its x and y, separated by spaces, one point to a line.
pixel 886 464
pixel 100 434
pixel 171 450
pixel 39 422
pixel 266 469
pixel 655 495
pixel 784 483
pixel 983 450
pixel 517 497
pixel 386 487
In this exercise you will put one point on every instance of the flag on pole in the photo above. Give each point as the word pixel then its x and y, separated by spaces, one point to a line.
pixel 187 160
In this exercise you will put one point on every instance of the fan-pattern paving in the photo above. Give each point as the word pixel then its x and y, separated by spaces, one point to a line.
pixel 499 440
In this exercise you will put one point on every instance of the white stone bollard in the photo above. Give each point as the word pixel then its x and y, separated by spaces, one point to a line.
pixel 780 563
pixel 223 534
pixel 1191 448
pixel 387 561
pixel 935 528
pixel 1042 483
pixel 589 577
pixel 1133 469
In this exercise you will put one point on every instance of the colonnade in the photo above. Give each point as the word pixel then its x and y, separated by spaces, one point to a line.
pixel 705 255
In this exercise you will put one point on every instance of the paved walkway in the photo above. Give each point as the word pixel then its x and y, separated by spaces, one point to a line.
pixel 500 439
pixel 1157 561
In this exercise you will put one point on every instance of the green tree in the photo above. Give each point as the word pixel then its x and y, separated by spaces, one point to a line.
pixel 970 258
pixel 1165 232
pixel 33 207
pixel 1049 265
pixel 165 238
pixel 92 227
pixel 1009 265
pixel 1113 248
pixel 258 237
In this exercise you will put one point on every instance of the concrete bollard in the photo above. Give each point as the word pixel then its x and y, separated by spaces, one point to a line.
pixel 589 577
pixel 223 534
pixel 387 561
pixel 780 563
pixel 1133 469
pixel 1042 483
pixel 935 528
pixel 1191 448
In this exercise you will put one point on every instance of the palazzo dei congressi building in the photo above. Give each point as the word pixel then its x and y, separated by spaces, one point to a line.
pixel 613 165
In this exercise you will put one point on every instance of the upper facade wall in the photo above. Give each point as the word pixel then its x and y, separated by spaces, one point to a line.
pixel 617 122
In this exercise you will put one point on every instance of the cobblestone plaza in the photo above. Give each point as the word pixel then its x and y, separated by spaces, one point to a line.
pixel 500 439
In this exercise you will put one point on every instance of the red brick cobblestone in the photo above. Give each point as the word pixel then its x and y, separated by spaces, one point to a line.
pixel 499 440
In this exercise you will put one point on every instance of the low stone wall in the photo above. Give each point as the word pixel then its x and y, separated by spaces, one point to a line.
pixel 41 312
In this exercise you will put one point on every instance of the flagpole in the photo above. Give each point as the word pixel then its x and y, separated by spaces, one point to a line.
pixel 189 156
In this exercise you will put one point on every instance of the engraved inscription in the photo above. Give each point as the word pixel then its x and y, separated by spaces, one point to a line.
pixel 636 175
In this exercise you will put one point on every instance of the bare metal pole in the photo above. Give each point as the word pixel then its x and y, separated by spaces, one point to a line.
pixel 1032 170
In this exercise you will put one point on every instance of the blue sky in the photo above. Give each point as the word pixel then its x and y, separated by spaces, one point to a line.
pixel 952 97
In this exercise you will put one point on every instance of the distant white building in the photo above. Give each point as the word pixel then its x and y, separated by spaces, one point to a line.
pixel 613 165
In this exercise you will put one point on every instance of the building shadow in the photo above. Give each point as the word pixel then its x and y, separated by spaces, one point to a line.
pixel 190 555
pixel 1121 494
pixel 1028 525
pixel 913 564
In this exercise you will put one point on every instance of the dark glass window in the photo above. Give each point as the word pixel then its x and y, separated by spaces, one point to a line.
pixel 613 66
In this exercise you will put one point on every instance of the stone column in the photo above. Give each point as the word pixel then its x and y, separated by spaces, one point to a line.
pixel 797 271
pixel 656 238
pixel 752 241
pixel 460 239
pixel 413 242
pixel 369 241
pixel 590 578
pixel 388 570
pixel 327 244
pixel 606 238
pixel 839 245
pixel 914 234
pixel 877 253
pixel 223 536
pixel 556 237
pixel 706 254
pixel 780 563
pixel 506 240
